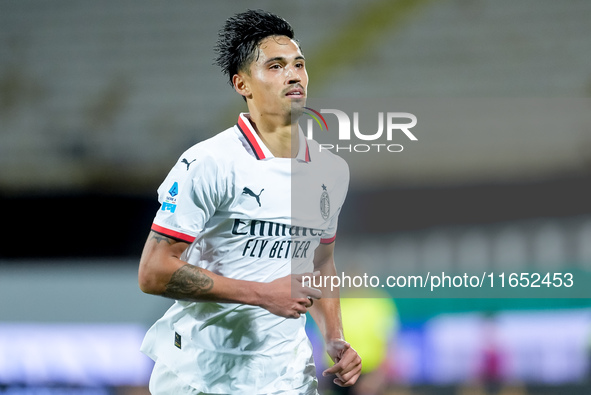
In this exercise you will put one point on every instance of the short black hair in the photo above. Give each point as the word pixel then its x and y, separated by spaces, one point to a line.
pixel 241 35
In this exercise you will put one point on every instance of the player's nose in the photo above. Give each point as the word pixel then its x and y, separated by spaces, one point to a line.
pixel 292 75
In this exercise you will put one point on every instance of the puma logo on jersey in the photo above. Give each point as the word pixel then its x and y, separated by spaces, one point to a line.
pixel 186 162
pixel 247 191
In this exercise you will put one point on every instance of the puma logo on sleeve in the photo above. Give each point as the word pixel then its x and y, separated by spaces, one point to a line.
pixel 186 162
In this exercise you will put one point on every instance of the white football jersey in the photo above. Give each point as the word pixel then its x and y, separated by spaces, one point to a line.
pixel 248 216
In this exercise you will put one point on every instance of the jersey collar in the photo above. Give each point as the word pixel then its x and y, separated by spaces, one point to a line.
pixel 259 150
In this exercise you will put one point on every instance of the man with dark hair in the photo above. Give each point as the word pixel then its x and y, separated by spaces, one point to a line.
pixel 232 245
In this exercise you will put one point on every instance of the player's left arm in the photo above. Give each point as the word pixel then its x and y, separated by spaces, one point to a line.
pixel 327 315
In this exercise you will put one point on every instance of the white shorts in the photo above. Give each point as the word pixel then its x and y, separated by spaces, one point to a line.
pixel 165 382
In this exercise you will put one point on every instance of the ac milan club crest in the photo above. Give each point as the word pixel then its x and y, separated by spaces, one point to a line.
pixel 324 203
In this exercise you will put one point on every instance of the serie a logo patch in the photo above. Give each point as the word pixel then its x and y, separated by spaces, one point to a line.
pixel 177 340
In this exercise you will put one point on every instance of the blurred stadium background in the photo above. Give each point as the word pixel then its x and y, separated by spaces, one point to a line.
pixel 98 99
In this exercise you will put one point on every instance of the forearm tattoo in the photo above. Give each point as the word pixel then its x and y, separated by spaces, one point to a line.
pixel 188 282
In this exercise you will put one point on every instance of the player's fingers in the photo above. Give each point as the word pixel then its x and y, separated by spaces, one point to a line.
pixel 350 357
pixel 352 380
pixel 347 361
pixel 290 314
pixel 305 289
pixel 350 377
pixel 339 382
pixel 302 305
pixel 339 369
pixel 351 362
pixel 334 369
pixel 347 383
pixel 296 309
pixel 313 293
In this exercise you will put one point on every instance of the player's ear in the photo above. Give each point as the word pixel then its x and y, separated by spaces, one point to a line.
pixel 241 85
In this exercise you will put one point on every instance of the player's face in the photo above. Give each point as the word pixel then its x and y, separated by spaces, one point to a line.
pixel 278 80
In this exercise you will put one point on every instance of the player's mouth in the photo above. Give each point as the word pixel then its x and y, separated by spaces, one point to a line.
pixel 295 93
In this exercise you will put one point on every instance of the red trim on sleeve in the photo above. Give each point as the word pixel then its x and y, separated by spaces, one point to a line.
pixel 173 234
pixel 328 241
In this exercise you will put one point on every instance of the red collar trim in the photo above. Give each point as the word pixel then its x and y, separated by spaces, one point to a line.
pixel 307 157
pixel 249 134
pixel 251 138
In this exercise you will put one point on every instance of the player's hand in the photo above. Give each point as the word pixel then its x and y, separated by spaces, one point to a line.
pixel 288 297
pixel 347 365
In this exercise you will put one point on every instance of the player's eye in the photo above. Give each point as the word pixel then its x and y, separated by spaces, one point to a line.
pixel 275 66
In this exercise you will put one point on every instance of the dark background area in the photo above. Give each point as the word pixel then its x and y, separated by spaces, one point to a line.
pixel 111 225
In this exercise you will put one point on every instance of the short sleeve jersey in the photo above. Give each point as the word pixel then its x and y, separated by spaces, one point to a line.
pixel 251 216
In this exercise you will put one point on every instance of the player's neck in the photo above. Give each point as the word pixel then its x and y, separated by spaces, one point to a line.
pixel 277 135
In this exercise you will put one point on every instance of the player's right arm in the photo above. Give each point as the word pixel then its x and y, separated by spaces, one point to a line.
pixel 162 272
